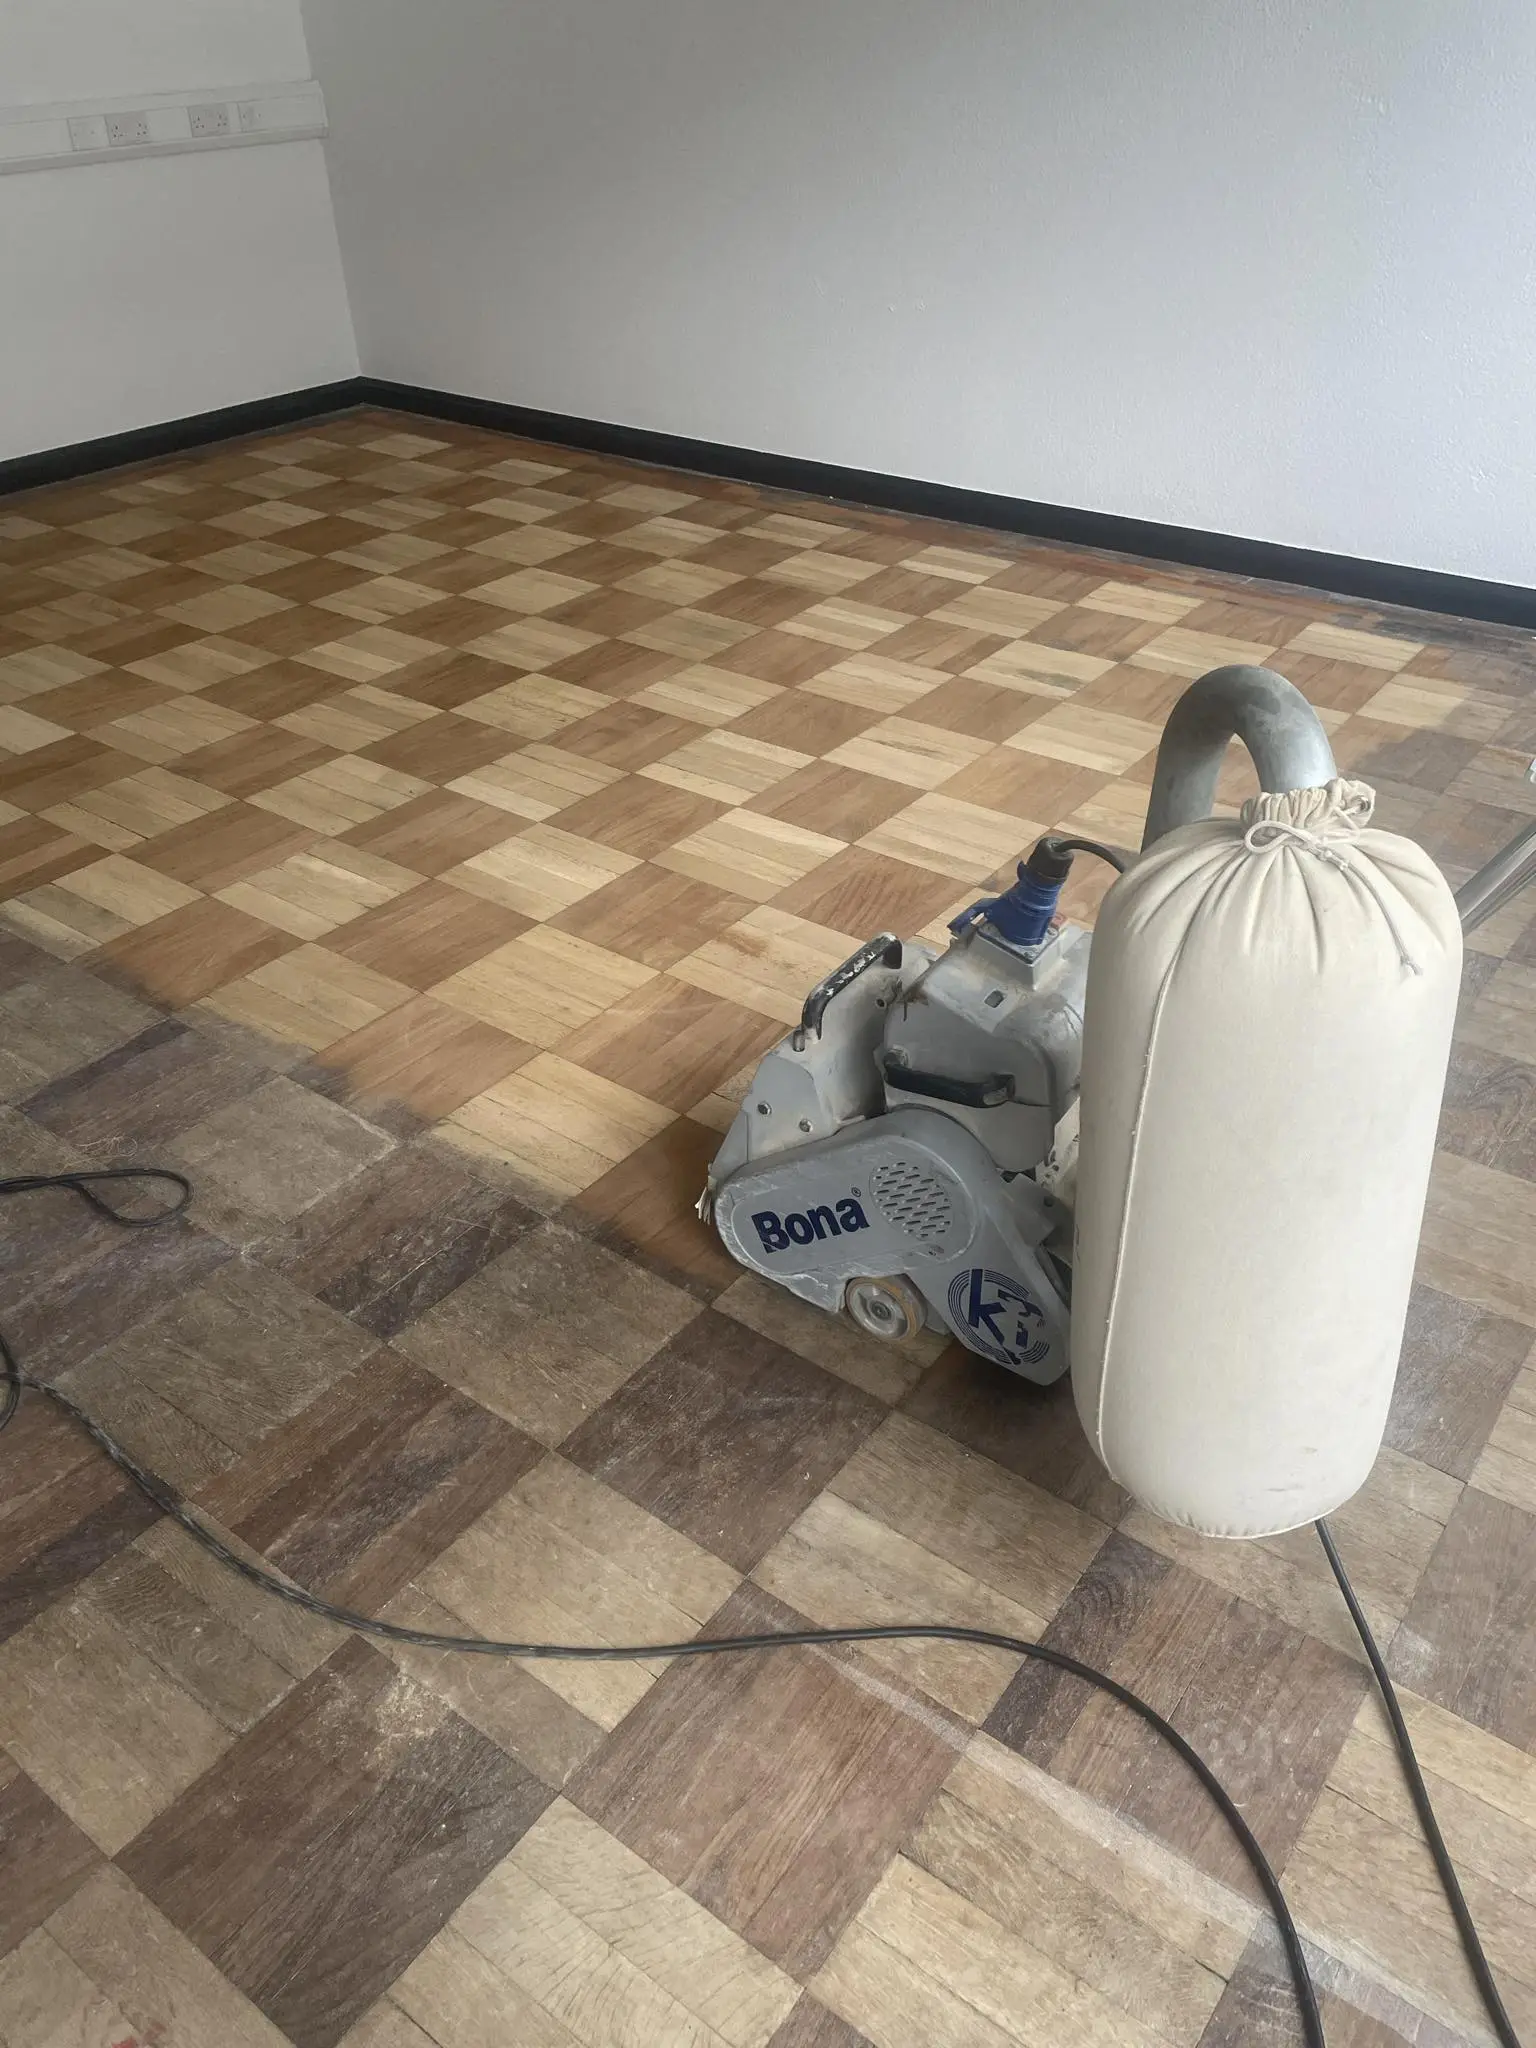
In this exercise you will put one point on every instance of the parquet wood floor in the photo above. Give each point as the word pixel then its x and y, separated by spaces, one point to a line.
pixel 416 835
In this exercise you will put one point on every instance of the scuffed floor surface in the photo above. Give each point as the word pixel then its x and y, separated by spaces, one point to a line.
pixel 415 835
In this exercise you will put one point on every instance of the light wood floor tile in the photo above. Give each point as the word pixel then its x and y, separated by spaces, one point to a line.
pixel 309 996
pixel 98 1725
pixel 201 664
pixel 341 794
pixel 536 781
pixel 1010 612
pixel 841 1566
pixel 379 599
pixel 532 644
pixel 949 836
pixel 44 668
pixel 154 801
pixel 1415 701
pixel 541 870
pixel 326 885
pixel 659 1930
pixel 960 565
pixel 225 611
pixel 667 536
pixel 165 731
pixel 767 960
pixel 541 985
pixel 730 767
pixel 876 682
pixel 130 892
pixel 709 696
pixel 562 1558
pixel 1182 652
pixel 694 635
pixel 1342 643
pixel 1088 737
pixel 356 719
pixel 1507 1466
pixel 1037 670
pixel 22 733
pixel 535 706
pixel 1139 601
pixel 533 590
pixel 841 622
pixel 150 1973
pixel 677 582
pixel 749 854
pixel 904 750
pixel 560 1123
pixel 921 1963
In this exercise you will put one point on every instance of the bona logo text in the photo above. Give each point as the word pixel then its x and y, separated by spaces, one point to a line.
pixel 778 1233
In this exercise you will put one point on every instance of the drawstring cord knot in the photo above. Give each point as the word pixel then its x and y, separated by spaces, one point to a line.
pixel 1347 807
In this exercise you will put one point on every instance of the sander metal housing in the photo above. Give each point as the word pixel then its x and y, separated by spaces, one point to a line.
pixel 904 1155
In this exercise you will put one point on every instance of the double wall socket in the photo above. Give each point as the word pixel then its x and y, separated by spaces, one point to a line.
pixel 210 120
pixel 127 128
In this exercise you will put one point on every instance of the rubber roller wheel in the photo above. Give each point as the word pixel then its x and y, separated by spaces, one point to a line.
pixel 886 1308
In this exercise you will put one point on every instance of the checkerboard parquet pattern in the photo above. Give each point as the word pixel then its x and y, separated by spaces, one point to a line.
pixel 416 836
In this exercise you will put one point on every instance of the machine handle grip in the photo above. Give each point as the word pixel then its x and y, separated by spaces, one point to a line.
pixel 885 948
pixel 987 1092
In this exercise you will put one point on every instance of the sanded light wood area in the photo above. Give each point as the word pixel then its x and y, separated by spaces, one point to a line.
pixel 416 835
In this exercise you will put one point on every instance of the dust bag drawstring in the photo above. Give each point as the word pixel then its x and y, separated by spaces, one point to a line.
pixel 1315 820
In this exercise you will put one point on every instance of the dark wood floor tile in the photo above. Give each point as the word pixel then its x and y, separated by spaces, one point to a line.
pixel 329 1845
pixel 57 774
pixel 401 1236
pixel 626 736
pixel 434 832
pixel 33 852
pixel 1032 1431
pixel 58 1019
pixel 811 2026
pixel 439 748
pixel 64 1510
pixel 211 853
pixel 136 1098
pixel 671 1042
pixel 185 956
pixel 44 1857
pixel 695 1781
pixel 20 961
pixel 427 934
pixel 88 1304
pixel 1469 1639
pixel 414 1064
pixel 652 915
pixel 197 1385
pixel 273 1153
pixel 1036 1713
pixel 1258 2010
pixel 862 893
pixel 373 1480
pixel 210 1658
pixel 1430 760
pixel 840 802
pixel 1458 1363
pixel 725 1435
pixel 1267 1707
pixel 638 816
pixel 251 761
pixel 1461 834
pixel 643 1207
pixel 1489 1111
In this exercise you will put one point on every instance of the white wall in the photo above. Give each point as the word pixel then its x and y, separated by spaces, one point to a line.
pixel 1263 266
pixel 137 292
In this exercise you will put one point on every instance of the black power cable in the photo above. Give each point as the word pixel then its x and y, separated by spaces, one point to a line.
pixel 171 1503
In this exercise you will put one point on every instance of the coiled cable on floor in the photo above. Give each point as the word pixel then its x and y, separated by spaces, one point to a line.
pixel 169 1501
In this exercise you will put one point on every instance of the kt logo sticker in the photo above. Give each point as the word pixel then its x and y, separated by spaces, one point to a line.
pixel 999 1312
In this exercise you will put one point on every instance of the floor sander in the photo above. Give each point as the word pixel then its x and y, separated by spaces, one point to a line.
pixel 1188 1152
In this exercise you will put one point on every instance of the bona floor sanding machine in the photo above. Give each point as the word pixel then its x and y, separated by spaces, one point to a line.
pixel 1191 1149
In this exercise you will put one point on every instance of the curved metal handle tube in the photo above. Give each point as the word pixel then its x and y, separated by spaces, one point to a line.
pixel 1269 715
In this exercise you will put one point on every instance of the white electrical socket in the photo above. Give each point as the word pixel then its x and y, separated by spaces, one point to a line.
pixel 87 131
pixel 122 128
pixel 206 121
